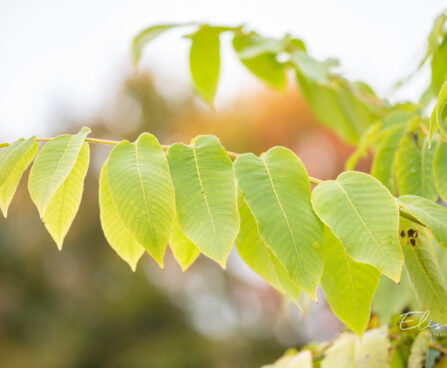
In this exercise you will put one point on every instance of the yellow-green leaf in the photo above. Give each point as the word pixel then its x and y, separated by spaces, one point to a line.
pixel 364 216
pixel 141 187
pixel 64 205
pixel 256 254
pixel 14 159
pixel 277 190
pixel 205 193
pixel 349 286
pixel 115 230
pixel 415 168
pixel 429 213
pixel 440 170
pixel 204 61
pixel 423 270
pixel 147 35
pixel 53 164
pixel 184 250
pixel 385 159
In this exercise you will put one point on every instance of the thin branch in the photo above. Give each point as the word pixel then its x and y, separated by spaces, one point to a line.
pixel 233 155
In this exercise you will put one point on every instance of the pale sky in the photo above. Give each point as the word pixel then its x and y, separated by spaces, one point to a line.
pixel 72 55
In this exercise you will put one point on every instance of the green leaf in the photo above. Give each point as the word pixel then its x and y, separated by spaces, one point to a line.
pixel 204 61
pixel 423 270
pixel 441 108
pixel 310 68
pixel 415 168
pixel 385 159
pixel 251 45
pixel 256 254
pixel 302 359
pixel 14 159
pixel 433 127
pixel 401 351
pixel 52 166
pixel 277 190
pixel 366 141
pixel 419 350
pixel 115 230
pixel 439 67
pixel 144 37
pixel 440 170
pixel 184 250
pixel 348 351
pixel 141 187
pixel 364 216
pixel 349 286
pixel 429 213
pixel 205 193
pixel 264 65
pixel 392 298
pixel 339 106
pixel 64 205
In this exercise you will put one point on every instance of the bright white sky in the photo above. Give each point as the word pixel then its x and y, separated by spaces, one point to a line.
pixel 71 55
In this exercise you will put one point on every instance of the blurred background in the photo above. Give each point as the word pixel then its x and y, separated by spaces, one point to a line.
pixel 66 64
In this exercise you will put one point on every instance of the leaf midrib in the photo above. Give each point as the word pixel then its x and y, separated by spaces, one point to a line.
pixel 362 222
pixel 284 214
pixel 140 178
pixel 418 261
pixel 196 164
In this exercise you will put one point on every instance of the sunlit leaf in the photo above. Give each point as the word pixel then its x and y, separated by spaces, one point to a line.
pixel 423 270
pixel 349 286
pixel 277 190
pixel 348 351
pixel 52 166
pixel 115 230
pixel 262 64
pixel 64 205
pixel 256 254
pixel 205 194
pixel 364 216
pixel 366 141
pixel 141 187
pixel 204 61
pixel 184 250
pixel 385 158
pixel 415 168
pixel 14 159
pixel 302 359
pixel 147 35
pixel 310 68
pixel 440 170
pixel 441 106
pixel 419 350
